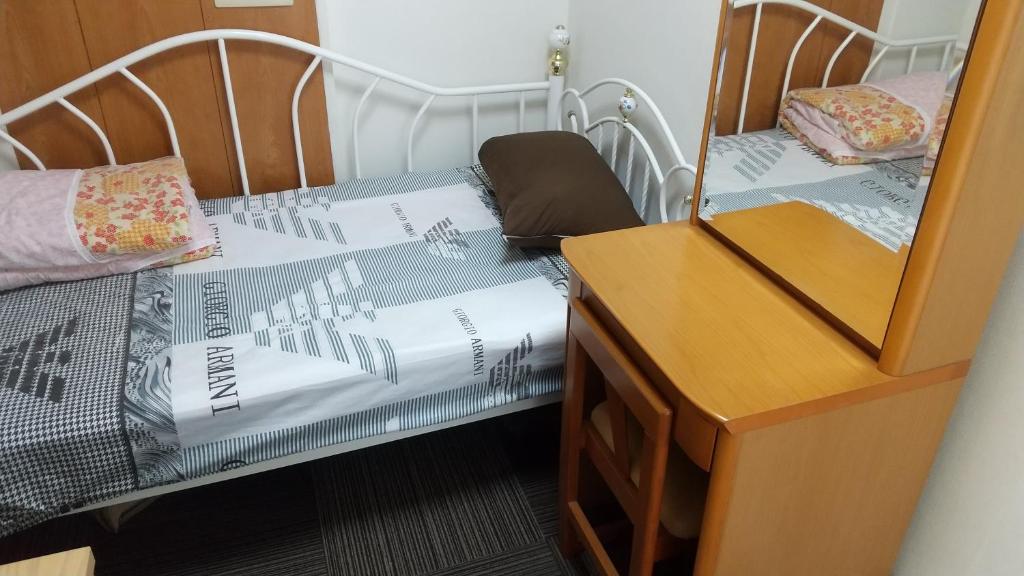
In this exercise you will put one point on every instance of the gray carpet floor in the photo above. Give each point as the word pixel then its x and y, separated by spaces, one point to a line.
pixel 478 499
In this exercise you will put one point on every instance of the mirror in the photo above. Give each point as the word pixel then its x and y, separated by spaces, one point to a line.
pixel 828 120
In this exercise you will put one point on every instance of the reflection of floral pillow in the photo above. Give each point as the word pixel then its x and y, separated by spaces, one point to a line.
pixel 133 209
pixel 935 138
pixel 871 119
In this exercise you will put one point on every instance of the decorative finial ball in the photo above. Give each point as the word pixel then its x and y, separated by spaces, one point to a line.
pixel 559 38
pixel 627 104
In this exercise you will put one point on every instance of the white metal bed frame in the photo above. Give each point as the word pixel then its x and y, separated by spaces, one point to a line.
pixel 580 123
pixel 624 135
pixel 883 44
pixel 554 87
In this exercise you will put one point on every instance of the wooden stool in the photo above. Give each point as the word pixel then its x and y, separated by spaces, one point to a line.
pixel 627 438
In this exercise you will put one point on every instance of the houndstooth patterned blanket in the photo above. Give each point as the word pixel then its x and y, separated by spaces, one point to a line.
pixel 63 442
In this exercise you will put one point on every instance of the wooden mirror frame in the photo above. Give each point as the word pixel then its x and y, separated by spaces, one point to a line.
pixel 973 213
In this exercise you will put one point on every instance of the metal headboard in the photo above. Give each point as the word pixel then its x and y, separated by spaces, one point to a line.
pixel 579 122
pixel 554 87
pixel 120 66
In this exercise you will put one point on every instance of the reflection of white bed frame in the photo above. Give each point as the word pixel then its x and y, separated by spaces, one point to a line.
pixel 624 136
pixel 553 87
pixel 882 46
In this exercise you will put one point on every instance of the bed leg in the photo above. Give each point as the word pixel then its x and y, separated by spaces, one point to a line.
pixel 112 517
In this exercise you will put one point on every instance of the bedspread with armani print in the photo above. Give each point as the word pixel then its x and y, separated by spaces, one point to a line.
pixel 326 315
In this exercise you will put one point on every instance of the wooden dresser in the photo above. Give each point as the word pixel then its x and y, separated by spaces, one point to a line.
pixel 816 433
pixel 816 458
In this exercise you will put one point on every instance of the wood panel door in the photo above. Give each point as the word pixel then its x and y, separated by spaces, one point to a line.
pixel 91 33
pixel 134 125
pixel 264 77
pixel 31 65
pixel 779 30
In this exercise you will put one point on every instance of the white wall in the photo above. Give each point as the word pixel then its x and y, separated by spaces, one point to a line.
pixel 905 19
pixel 664 47
pixel 902 19
pixel 442 42
pixel 971 516
pixel 969 18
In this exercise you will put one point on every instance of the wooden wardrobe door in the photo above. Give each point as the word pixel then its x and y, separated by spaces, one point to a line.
pixel 38 54
pixel 181 77
pixel 263 78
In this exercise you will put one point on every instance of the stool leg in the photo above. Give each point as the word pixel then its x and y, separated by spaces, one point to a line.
pixel 652 478
pixel 572 433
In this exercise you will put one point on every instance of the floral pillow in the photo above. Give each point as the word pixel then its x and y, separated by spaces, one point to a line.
pixel 885 120
pixel 133 209
pixel 868 118
pixel 74 224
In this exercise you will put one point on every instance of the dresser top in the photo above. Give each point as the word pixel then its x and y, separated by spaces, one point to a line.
pixel 731 341
pixel 849 274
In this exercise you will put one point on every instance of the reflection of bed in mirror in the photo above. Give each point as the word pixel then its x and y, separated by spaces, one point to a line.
pixel 881 199
pixel 781 53
pixel 828 119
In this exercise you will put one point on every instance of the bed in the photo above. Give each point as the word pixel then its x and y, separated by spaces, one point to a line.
pixel 328 319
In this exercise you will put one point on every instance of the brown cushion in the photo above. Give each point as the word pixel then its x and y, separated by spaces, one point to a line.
pixel 551 185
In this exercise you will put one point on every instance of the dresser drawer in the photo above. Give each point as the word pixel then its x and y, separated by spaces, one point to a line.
pixel 619 359
pixel 695 435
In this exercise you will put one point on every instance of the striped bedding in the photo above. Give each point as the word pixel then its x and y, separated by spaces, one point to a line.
pixel 326 315
pixel 881 199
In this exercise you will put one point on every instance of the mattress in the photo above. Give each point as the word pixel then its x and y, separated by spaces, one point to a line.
pixel 326 315
pixel 882 199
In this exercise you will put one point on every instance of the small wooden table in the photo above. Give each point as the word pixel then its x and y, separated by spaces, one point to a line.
pixel 79 562
pixel 816 458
